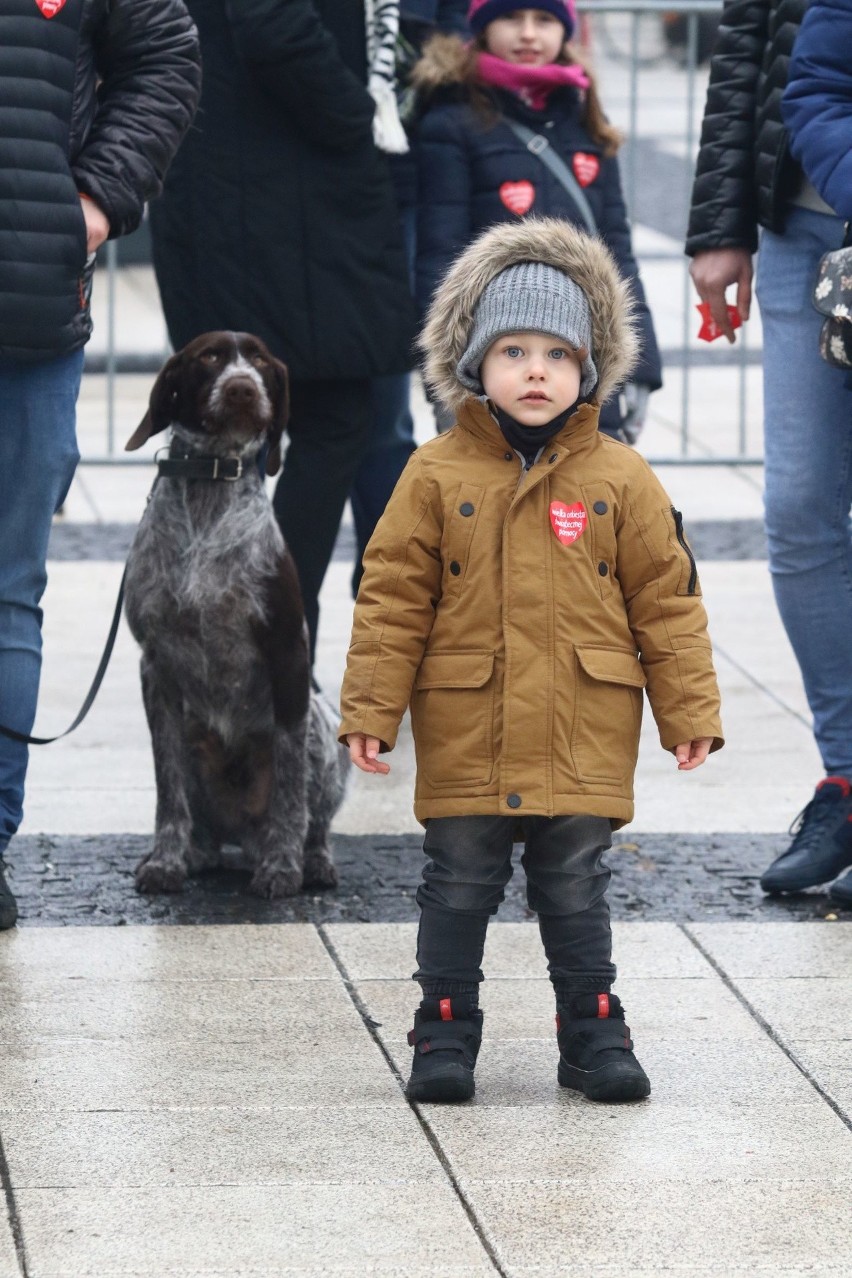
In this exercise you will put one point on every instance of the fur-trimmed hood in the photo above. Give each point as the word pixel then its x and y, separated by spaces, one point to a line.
pixel 556 243
pixel 444 62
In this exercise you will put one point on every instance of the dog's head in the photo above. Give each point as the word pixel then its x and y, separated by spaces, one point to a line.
pixel 224 388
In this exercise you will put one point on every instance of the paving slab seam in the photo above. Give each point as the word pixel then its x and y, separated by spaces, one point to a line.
pixel 762 687
pixel 845 1118
pixel 12 1214
pixel 370 1026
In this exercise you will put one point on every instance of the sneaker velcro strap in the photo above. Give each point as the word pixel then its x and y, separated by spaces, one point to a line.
pixel 433 1044
pixel 441 1032
pixel 599 1035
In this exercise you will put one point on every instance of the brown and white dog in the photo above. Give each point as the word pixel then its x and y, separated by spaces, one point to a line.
pixel 244 752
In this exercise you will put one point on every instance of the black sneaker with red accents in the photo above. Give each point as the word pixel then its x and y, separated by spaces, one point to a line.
pixel 822 846
pixel 446 1037
pixel 596 1050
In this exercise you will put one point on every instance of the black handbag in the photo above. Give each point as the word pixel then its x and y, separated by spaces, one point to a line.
pixel 833 299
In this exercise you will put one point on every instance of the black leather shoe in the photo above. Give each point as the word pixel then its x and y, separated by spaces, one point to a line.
pixel 841 891
pixel 822 846
pixel 446 1037
pixel 596 1050
pixel 8 904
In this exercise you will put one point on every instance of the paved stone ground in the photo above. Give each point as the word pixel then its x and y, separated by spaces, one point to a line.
pixel 677 877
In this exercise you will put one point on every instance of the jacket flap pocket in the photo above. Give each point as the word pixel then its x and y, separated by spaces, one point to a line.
pixel 468 669
pixel 612 665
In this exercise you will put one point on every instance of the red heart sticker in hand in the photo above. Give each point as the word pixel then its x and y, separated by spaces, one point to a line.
pixel 50 8
pixel 710 330
pixel 518 196
pixel 586 167
pixel 568 522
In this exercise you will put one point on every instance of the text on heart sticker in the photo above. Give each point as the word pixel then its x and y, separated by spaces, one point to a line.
pixel 586 167
pixel 50 8
pixel 568 522
pixel 518 196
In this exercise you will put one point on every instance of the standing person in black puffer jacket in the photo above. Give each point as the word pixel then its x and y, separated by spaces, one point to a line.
pixel 95 96
pixel 279 218
pixel 474 171
pixel 750 194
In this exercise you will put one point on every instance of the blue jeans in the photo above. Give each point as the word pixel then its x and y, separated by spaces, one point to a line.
pixel 38 455
pixel 808 430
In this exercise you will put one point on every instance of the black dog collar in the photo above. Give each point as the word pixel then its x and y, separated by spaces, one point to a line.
pixel 200 467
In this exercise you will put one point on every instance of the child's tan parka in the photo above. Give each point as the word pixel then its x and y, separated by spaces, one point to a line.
pixel 521 614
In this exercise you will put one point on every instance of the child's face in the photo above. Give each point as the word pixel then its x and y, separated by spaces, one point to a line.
pixel 531 376
pixel 529 37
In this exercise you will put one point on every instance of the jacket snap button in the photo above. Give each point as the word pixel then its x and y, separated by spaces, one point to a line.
pixel 514 800
pixel 466 508
pixel 600 508
pixel 455 568
pixel 553 457
pixel 603 569
pixel 508 456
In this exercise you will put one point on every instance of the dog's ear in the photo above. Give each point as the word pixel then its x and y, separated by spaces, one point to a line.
pixel 280 415
pixel 161 405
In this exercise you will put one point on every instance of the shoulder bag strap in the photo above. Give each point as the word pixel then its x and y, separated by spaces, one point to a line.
pixel 538 144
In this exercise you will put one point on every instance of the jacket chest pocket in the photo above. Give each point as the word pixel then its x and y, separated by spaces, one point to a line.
pixel 458 536
pixel 607 714
pixel 452 717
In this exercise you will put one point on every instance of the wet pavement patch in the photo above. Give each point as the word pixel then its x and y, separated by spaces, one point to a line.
pixel 88 879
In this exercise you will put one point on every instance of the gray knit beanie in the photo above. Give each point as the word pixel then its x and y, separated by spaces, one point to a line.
pixel 529 298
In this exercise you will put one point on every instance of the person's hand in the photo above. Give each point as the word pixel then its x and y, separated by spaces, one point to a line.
pixel 713 272
pixel 636 395
pixel 363 751
pixel 691 754
pixel 97 224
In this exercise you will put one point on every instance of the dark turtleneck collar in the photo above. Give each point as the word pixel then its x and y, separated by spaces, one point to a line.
pixel 529 440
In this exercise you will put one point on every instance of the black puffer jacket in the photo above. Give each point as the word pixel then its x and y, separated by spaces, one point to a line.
pixel 94 99
pixel 745 173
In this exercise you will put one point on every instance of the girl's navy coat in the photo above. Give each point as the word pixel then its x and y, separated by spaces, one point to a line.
pixel 470 170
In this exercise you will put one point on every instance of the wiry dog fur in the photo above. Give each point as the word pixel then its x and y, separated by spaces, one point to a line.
pixel 244 752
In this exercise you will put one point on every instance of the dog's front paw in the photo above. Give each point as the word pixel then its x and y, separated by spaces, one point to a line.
pixel 276 880
pixel 157 873
pixel 320 870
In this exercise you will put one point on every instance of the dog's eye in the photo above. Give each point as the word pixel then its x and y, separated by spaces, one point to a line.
pixel 209 357
pixel 258 359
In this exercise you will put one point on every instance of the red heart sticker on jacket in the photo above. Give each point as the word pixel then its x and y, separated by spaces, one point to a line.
pixel 586 167
pixel 568 522
pixel 518 196
pixel 50 8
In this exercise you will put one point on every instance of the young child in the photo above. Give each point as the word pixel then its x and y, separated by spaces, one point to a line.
pixel 474 171
pixel 528 578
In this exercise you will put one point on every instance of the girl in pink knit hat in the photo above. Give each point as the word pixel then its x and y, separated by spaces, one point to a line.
pixel 512 126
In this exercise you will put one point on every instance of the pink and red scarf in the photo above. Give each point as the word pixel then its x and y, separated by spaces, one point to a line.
pixel 533 85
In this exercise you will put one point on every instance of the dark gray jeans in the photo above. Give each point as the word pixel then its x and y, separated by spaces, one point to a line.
pixel 469 864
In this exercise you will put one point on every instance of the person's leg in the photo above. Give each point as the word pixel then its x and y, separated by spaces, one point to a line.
pixel 391 445
pixel 566 886
pixel 328 432
pixel 469 864
pixel 38 455
pixel 808 447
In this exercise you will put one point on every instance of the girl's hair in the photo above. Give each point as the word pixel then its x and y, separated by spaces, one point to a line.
pixel 594 120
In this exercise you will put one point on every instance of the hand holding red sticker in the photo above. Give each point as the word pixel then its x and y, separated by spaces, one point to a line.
pixel 710 330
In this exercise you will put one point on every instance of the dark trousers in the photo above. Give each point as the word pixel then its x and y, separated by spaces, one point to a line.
pixel 329 432
pixel 469 864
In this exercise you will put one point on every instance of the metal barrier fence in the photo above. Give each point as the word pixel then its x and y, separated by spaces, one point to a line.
pixel 628 42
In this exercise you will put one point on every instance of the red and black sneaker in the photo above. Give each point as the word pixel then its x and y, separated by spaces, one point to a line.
pixel 446 1037
pixel 822 846
pixel 596 1050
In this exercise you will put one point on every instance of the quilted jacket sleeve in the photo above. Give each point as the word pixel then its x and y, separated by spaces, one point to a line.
pixel 148 61
pixel 297 61
pixel 817 103
pixel 395 609
pixel 444 187
pixel 723 212
pixel 659 582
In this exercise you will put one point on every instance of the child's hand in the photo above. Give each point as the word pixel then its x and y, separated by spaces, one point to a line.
pixel 691 754
pixel 363 751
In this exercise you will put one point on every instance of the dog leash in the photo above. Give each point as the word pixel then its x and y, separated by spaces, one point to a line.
pixel 197 467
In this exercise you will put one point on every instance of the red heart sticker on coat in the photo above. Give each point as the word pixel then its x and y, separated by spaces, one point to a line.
pixel 568 522
pixel 50 8
pixel 586 167
pixel 518 196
